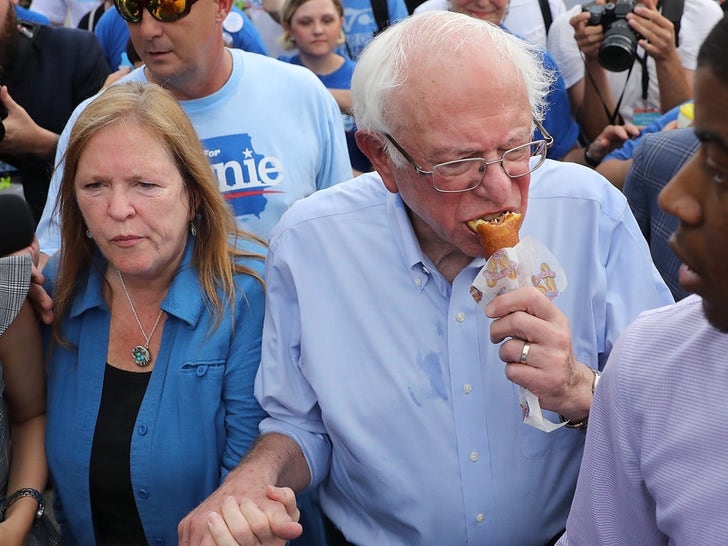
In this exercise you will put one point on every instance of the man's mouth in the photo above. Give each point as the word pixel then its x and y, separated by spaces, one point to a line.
pixel 495 218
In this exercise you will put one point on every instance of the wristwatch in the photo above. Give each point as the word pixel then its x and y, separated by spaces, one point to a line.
pixel 589 160
pixel 582 424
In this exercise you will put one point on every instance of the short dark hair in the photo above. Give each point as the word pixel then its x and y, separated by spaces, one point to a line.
pixel 712 54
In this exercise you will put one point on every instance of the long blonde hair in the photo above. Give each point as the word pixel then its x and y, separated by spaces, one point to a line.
pixel 155 110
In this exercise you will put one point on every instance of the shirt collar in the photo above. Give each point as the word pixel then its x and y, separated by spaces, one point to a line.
pixel 420 266
pixel 184 299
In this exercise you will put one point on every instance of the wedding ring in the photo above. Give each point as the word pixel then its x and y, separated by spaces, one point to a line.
pixel 524 352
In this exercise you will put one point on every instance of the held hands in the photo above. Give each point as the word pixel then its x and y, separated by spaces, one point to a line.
pixel 266 517
pixel 551 371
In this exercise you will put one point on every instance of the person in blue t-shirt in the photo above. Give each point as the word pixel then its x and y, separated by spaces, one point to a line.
pixel 25 14
pixel 361 22
pixel 315 27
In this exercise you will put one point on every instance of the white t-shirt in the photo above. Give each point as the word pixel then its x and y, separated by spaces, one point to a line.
pixel 699 17
pixel 57 10
pixel 523 17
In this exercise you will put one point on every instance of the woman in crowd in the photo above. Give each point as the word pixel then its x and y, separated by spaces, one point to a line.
pixel 315 27
pixel 156 340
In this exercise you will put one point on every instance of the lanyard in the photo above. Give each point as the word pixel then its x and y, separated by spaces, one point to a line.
pixel 615 118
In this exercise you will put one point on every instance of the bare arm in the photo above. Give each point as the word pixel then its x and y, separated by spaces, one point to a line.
pixel 615 170
pixel 343 99
pixel 22 361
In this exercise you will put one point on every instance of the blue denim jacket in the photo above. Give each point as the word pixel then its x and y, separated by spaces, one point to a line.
pixel 198 416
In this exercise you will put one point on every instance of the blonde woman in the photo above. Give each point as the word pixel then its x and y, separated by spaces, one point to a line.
pixel 159 311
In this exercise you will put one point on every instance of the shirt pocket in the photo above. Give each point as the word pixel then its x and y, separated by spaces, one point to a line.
pixel 202 380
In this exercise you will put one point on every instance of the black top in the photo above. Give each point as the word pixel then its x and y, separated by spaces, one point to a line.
pixel 114 511
pixel 53 71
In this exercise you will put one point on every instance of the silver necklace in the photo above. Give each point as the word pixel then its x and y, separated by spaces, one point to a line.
pixel 141 354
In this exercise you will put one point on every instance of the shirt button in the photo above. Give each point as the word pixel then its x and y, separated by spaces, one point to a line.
pixel 143 493
pixel 418 281
pixel 474 456
pixel 460 317
pixel 467 389
pixel 142 429
pixel 480 518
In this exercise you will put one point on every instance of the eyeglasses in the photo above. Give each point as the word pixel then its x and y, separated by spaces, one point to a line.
pixel 467 174
pixel 165 11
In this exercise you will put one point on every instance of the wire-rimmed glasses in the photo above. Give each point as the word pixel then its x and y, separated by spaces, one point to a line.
pixel 467 174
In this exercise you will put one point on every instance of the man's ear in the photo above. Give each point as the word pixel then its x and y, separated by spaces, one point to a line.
pixel 373 147
pixel 223 9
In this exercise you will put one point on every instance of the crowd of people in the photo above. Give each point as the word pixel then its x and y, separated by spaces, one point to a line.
pixel 252 314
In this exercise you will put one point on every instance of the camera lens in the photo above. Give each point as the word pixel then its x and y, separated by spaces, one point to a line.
pixel 618 47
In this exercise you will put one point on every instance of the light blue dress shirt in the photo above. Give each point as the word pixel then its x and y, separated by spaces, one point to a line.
pixel 198 416
pixel 384 374
pixel 655 469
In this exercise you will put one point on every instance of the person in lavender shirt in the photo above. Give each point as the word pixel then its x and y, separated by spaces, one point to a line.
pixel 654 469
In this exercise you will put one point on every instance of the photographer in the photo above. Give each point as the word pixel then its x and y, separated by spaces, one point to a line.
pixel 660 77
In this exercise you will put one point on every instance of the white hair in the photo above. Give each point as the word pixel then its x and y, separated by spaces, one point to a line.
pixel 432 37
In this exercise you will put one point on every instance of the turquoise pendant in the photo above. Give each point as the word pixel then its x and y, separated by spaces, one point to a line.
pixel 141 355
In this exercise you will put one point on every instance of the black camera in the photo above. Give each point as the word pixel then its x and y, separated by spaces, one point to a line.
pixel 619 45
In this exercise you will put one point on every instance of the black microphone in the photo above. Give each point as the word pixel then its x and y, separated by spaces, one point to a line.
pixel 17 227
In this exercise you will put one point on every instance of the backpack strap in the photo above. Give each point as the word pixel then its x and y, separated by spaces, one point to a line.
pixel 673 10
pixel 381 14
pixel 546 14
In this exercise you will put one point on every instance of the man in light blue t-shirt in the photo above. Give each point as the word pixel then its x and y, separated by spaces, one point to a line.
pixel 272 131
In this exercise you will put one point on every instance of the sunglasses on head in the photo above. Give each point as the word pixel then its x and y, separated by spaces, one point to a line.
pixel 162 10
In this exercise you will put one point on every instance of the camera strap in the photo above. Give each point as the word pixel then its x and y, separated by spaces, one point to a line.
pixel 645 75
pixel 672 10
pixel 615 118
pixel 546 14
